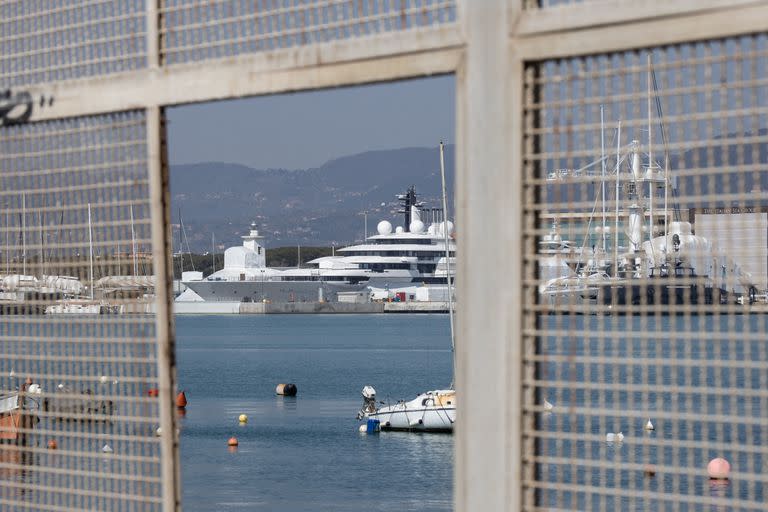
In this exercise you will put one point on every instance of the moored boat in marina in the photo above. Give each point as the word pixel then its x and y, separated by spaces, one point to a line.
pixel 432 411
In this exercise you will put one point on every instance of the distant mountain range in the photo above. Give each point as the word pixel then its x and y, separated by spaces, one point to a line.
pixel 313 207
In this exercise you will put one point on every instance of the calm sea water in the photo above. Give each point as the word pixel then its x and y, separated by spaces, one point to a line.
pixel 305 453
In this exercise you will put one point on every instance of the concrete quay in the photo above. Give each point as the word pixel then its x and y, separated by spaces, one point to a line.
pixel 302 308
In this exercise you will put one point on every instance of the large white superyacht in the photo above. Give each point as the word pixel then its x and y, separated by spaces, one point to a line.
pixel 407 258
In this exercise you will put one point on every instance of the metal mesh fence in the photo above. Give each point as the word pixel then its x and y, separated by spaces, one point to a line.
pixel 193 30
pixel 78 353
pixel 54 40
pixel 646 236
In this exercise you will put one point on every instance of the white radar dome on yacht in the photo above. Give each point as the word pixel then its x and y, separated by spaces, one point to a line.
pixel 399 230
pixel 384 227
pixel 447 224
pixel 417 226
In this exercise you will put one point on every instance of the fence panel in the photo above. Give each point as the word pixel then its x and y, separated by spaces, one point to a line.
pixel 646 267
pixel 193 30
pixel 78 353
pixel 51 41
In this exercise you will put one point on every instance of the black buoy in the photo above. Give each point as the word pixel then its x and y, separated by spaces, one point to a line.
pixel 286 389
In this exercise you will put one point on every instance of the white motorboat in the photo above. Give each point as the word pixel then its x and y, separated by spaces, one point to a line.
pixel 432 411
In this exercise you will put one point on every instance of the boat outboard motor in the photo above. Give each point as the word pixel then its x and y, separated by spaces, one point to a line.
pixel 369 402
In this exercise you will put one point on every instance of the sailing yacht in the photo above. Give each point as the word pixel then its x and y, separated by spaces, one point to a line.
pixel 432 411
pixel 677 267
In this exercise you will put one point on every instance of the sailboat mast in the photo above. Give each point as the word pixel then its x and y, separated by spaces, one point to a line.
pixel 447 256
pixel 213 253
pixel 602 181
pixel 616 218
pixel 90 251
pixel 650 157
pixel 666 191
pixel 42 249
pixel 133 246
pixel 23 234
pixel 8 241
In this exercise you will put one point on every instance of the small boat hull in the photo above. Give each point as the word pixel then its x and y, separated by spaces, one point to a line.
pixel 434 411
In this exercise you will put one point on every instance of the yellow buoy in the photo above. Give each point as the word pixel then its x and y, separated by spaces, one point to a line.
pixel 243 418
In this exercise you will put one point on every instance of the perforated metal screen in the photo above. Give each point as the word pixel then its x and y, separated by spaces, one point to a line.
pixel 78 351
pixel 645 238
pixel 51 41
pixel 193 30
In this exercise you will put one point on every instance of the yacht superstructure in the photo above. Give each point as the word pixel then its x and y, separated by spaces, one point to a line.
pixel 401 257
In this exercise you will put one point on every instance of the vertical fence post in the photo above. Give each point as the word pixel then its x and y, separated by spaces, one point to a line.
pixel 489 206
pixel 161 254
pixel 157 162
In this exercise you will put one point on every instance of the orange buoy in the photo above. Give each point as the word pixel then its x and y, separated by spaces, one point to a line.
pixel 718 469
pixel 286 389
pixel 52 445
pixel 152 392
pixel 181 400
pixel 232 441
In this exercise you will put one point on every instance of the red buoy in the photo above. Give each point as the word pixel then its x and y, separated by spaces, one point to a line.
pixel 232 441
pixel 52 445
pixel 152 392
pixel 181 400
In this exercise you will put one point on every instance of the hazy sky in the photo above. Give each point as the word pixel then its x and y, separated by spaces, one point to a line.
pixel 304 130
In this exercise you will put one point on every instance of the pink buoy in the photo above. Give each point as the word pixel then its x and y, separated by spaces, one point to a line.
pixel 718 469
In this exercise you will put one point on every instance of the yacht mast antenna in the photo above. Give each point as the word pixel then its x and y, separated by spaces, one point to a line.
pixel 447 260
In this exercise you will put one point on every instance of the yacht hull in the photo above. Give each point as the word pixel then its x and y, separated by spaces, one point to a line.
pixel 274 291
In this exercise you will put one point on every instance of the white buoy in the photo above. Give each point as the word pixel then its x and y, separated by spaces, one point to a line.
pixel 107 449
pixel 619 437
pixel 548 406
pixel 103 379
pixel 610 437
pixel 649 425
pixel 159 431
pixel 363 429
